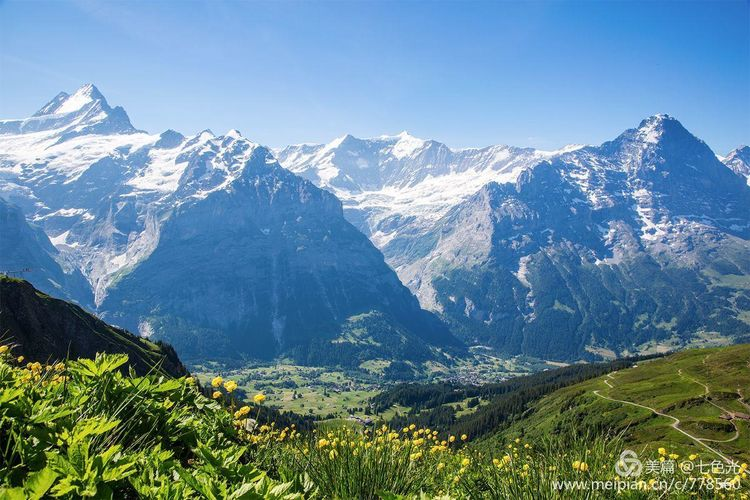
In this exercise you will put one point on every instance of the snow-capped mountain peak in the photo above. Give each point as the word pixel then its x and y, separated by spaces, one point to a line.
pixel 64 103
pixel 99 187
pixel 739 161
pixel 86 111
pixel 406 145
pixel 651 129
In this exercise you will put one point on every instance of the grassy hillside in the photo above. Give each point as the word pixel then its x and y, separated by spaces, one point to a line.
pixel 83 429
pixel 676 402
pixel 481 410
pixel 46 329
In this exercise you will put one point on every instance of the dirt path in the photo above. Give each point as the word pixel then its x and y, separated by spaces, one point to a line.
pixel 706 392
pixel 675 420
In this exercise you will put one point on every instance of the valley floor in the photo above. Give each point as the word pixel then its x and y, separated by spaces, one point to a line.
pixel 334 393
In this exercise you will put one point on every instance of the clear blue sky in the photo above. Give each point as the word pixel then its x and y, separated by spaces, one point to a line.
pixel 540 74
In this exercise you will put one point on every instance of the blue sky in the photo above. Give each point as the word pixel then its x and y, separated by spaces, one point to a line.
pixel 538 74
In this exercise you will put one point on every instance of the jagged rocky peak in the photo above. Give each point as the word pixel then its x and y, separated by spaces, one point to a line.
pixel 739 161
pixel 169 139
pixel 654 127
pixel 64 103
pixel 655 130
pixel 660 143
pixel 86 111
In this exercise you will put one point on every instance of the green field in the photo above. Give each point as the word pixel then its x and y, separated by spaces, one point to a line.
pixel 330 393
pixel 322 392
pixel 674 402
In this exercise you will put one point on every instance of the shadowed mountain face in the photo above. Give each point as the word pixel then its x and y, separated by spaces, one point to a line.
pixel 26 250
pixel 604 250
pixel 269 265
pixel 45 329
pixel 206 241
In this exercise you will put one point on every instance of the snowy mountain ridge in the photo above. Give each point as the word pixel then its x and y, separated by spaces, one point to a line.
pixel 393 184
pixel 99 187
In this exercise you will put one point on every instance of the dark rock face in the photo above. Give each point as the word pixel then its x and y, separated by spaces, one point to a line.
pixel 48 330
pixel 265 267
pixel 609 249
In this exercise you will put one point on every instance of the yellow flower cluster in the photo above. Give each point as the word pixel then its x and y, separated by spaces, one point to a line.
pixel 48 374
pixel 241 412
pixel 218 382
pixel 580 466
pixel 267 434
pixel 416 443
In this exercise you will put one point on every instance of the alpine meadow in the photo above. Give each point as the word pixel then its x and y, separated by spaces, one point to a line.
pixel 548 300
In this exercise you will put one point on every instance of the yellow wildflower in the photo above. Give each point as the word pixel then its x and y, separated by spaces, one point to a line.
pixel 464 437
pixel 216 382
pixel 259 398
pixel 465 462
pixel 230 385
pixel 20 359
pixel 693 456
pixel 216 395
pixel 242 412
pixel 4 349
pixel 662 451
pixel 452 438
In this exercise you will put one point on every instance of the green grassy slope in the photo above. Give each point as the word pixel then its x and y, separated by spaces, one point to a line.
pixel 690 391
pixel 47 329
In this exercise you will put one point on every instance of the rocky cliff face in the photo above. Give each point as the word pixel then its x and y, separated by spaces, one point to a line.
pixel 739 161
pixel 267 266
pixel 604 250
pixel 45 329
pixel 26 251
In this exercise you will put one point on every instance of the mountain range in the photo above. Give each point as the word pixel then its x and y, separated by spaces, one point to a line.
pixel 203 241
pixel 640 243
pixel 226 248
